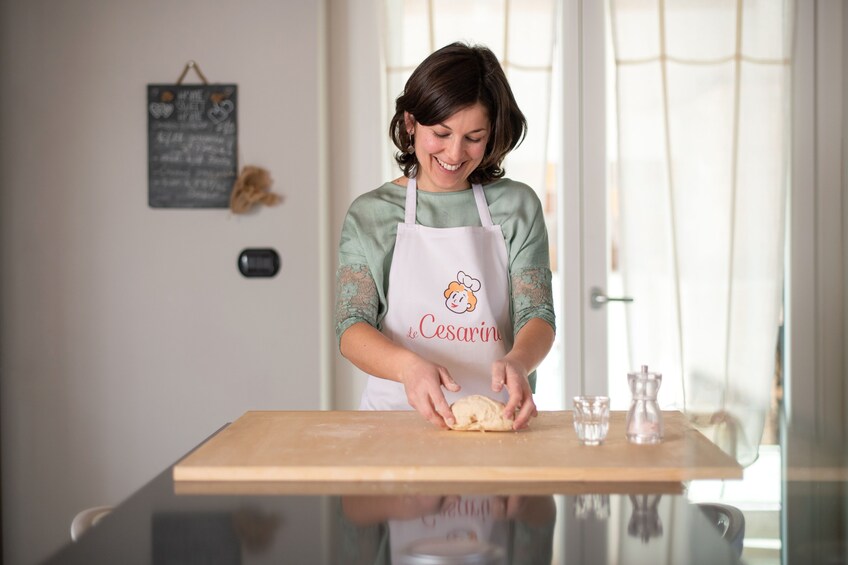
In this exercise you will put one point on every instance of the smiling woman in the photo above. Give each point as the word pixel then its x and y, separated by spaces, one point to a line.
pixel 454 221
pixel 523 35
pixel 448 152
pixel 465 116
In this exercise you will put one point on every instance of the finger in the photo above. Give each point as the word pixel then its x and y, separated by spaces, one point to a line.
pixel 443 409
pixel 426 410
pixel 527 411
pixel 437 420
pixel 516 385
pixel 498 376
pixel 516 397
pixel 513 505
pixel 500 506
pixel 519 397
pixel 450 502
pixel 430 504
pixel 447 380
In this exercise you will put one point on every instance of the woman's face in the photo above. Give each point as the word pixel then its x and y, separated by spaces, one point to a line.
pixel 448 152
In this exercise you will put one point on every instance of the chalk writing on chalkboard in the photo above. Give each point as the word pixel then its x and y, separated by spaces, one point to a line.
pixel 192 145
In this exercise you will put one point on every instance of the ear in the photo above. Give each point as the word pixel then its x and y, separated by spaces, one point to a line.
pixel 409 122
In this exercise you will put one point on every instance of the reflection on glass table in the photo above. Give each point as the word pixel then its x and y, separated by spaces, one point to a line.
pixel 158 526
pixel 426 529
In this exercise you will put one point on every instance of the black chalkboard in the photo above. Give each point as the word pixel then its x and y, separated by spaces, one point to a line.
pixel 192 145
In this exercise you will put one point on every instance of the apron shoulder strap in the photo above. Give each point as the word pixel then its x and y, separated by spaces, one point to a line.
pixel 482 206
pixel 412 202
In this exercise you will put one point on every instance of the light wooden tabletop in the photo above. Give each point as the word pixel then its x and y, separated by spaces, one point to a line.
pixel 344 447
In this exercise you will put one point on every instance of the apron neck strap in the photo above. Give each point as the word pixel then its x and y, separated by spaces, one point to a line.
pixel 482 205
pixel 412 202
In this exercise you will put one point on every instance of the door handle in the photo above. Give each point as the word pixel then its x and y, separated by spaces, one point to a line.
pixel 597 298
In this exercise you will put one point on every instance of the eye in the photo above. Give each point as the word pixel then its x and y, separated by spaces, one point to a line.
pixel 472 140
pixel 440 135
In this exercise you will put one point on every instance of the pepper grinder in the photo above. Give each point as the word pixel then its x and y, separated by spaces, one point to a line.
pixel 645 522
pixel 644 419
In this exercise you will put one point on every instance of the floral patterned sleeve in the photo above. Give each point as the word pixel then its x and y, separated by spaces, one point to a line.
pixel 356 297
pixel 532 296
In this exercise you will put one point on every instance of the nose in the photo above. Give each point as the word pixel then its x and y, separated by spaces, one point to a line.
pixel 455 149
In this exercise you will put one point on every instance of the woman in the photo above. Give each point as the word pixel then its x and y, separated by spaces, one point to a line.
pixel 399 315
pixel 421 528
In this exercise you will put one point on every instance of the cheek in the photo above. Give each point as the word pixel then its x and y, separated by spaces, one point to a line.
pixel 477 151
pixel 430 144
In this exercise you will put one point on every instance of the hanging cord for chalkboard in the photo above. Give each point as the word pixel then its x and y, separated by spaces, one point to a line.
pixel 196 67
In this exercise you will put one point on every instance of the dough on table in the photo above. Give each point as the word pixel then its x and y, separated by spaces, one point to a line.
pixel 480 413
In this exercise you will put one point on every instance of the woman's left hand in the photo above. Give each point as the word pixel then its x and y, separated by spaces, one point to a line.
pixel 511 374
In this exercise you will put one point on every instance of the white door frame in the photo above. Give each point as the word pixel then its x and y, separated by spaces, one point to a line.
pixel 583 237
pixel 815 319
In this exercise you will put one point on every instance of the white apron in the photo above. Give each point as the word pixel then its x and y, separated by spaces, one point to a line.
pixel 465 532
pixel 448 301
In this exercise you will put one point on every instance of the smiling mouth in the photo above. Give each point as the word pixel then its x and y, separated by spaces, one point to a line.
pixel 446 166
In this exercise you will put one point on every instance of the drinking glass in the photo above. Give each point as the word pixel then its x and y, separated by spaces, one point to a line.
pixel 591 419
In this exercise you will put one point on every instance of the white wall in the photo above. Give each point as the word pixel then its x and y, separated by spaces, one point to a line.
pixel 127 334
pixel 356 137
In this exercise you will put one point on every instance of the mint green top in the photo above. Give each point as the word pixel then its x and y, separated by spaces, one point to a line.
pixel 368 241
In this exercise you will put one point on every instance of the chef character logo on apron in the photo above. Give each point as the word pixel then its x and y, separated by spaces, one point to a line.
pixel 460 294
pixel 461 297
pixel 465 324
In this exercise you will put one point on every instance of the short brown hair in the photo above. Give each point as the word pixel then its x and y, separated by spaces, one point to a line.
pixel 455 77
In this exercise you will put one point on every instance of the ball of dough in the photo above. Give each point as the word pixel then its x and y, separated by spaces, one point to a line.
pixel 480 413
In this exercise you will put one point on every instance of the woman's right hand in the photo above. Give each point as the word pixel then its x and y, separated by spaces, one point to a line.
pixel 423 382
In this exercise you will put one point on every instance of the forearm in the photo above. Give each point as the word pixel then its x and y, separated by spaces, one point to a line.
pixel 532 344
pixel 366 510
pixel 367 348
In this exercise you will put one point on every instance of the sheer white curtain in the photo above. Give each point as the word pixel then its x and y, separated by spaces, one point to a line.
pixel 702 170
